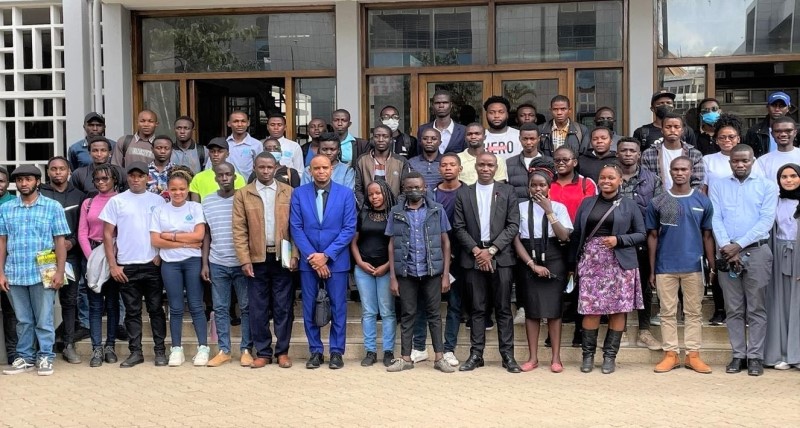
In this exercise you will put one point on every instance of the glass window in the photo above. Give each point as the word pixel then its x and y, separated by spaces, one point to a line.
pixel 427 37
pixel 313 98
pixel 163 99
pixel 585 31
pixel 674 78
pixel 390 91
pixel 595 89
pixel 282 41
pixel 691 28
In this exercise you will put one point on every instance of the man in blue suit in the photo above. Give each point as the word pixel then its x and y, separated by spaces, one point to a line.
pixel 323 222
pixel 453 134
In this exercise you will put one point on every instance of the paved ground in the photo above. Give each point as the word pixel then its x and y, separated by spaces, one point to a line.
pixel 147 396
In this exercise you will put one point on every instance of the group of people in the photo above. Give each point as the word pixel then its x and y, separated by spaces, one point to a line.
pixel 570 224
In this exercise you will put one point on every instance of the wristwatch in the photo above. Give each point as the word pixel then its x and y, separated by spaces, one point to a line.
pixel 492 250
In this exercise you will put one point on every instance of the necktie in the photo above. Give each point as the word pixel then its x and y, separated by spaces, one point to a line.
pixel 319 204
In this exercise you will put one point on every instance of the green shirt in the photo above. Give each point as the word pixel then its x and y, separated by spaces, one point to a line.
pixel 205 183
pixel 7 197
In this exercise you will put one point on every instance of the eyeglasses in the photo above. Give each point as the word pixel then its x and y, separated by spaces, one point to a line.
pixel 101 179
pixel 709 109
pixel 562 160
pixel 731 137
pixel 387 117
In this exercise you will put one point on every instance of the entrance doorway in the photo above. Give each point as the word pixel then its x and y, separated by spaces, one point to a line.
pixel 470 90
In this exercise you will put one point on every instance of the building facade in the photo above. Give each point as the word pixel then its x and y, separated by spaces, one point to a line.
pixel 306 59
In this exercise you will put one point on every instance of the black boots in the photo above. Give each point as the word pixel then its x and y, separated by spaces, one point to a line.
pixel 589 346
pixel 610 349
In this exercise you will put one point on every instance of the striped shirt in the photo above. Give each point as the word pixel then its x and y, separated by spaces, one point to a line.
pixel 219 216
pixel 29 229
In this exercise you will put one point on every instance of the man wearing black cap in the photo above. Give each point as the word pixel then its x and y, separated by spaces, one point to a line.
pixel 661 103
pixel 205 182
pixel 759 137
pixel 94 124
pixel 134 263
pixel 30 225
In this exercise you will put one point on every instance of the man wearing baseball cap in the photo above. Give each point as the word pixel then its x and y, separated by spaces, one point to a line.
pixel 759 137
pixel 30 224
pixel 94 124
pixel 205 182
pixel 661 103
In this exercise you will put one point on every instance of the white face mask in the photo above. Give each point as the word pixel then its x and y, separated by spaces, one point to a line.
pixel 277 156
pixel 393 124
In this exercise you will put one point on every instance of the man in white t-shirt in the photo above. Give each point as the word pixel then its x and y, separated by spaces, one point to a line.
pixel 501 139
pixel 784 130
pixel 135 266
pixel 291 152
pixel 658 157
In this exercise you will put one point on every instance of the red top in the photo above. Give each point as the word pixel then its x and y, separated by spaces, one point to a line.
pixel 573 193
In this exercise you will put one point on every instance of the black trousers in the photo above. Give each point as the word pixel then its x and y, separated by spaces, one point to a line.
pixel 68 297
pixel 144 281
pixel 9 327
pixel 413 291
pixel 480 288
pixel 270 294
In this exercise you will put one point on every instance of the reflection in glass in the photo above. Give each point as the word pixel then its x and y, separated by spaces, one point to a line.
pixel 284 41
pixel 427 37
pixel 691 28
pixel 688 85
pixel 595 89
pixel 467 100
pixel 584 31
pixel 536 92
pixel 390 91
pixel 314 98
pixel 162 98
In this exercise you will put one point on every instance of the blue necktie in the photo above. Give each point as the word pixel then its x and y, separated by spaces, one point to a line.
pixel 319 204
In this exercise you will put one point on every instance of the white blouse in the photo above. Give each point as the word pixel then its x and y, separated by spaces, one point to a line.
pixel 559 209
pixel 784 217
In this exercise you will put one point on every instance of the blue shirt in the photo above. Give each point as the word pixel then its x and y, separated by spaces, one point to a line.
pixel 429 170
pixel 241 155
pixel 29 229
pixel 448 200
pixel 346 147
pixel 680 232
pixel 743 212
pixel 342 174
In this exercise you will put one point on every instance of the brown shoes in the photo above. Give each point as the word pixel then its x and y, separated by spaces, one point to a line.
pixel 284 361
pixel 693 362
pixel 246 360
pixel 261 362
pixel 669 362
pixel 219 359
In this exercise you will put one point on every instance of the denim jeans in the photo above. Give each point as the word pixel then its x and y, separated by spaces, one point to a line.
pixel 83 296
pixel 33 305
pixel 180 276
pixel 452 320
pixel 107 299
pixel 376 297
pixel 224 280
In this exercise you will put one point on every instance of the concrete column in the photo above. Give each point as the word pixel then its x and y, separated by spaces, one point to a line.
pixel 641 63
pixel 348 62
pixel 117 71
pixel 77 66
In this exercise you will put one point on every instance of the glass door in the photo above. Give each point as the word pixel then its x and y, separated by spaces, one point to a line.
pixel 530 87
pixel 468 90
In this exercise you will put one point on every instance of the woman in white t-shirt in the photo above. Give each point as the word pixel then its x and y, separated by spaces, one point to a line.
pixel 177 229
pixel 727 134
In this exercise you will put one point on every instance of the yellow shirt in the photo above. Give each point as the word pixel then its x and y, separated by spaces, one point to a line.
pixel 205 183
pixel 469 174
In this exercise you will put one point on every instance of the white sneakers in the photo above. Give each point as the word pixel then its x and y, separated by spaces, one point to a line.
pixel 519 318
pixel 419 356
pixel 18 366
pixel 450 358
pixel 201 359
pixel 176 357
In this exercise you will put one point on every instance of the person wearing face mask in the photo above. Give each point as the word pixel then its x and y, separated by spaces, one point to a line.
pixel 661 104
pixel 709 111
pixel 402 144
pixel 606 118
pixel 284 174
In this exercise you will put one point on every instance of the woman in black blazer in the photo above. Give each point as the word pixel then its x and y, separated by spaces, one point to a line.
pixel 607 230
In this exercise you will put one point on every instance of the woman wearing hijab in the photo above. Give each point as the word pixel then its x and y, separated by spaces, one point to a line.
pixel 782 348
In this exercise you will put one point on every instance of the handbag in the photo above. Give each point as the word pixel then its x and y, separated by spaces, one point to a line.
pixel 322 306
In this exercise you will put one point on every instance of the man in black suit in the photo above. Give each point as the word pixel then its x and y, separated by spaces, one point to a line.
pixel 485 223
pixel 453 134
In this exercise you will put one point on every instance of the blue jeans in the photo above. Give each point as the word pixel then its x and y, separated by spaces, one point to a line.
pixel 180 276
pixel 83 296
pixel 107 299
pixel 452 320
pixel 376 297
pixel 223 280
pixel 33 305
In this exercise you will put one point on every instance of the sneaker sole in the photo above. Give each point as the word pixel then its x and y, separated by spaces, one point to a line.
pixel 44 373
pixel 16 372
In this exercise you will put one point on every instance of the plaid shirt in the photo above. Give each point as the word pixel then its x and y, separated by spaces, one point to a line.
pixel 559 135
pixel 651 159
pixel 28 230
pixel 158 181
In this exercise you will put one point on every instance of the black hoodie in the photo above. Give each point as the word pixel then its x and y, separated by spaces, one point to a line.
pixel 71 200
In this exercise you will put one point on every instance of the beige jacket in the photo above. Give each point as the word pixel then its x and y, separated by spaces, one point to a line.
pixel 248 223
